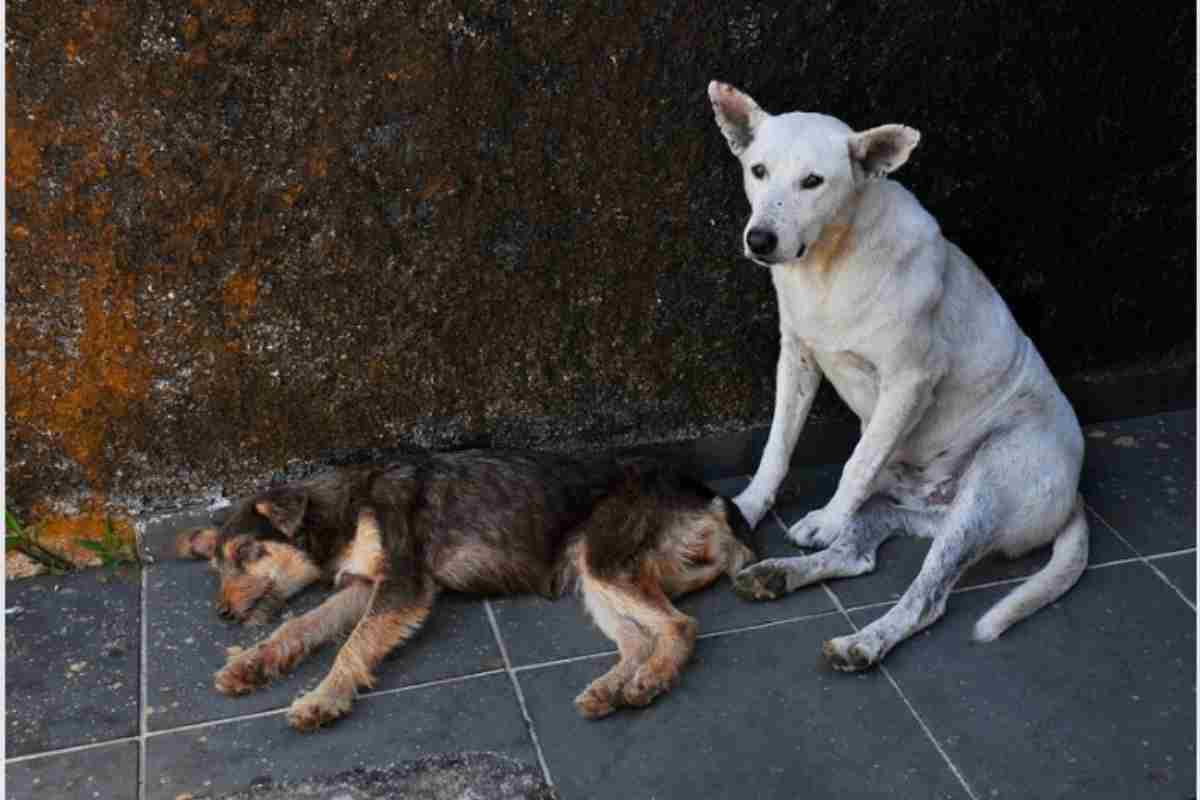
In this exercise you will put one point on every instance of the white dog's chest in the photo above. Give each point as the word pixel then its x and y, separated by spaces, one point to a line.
pixel 854 377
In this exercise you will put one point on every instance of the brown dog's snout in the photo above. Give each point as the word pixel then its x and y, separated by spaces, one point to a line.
pixel 237 598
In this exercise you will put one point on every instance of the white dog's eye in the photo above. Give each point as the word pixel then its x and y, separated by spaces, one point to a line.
pixel 812 181
pixel 758 171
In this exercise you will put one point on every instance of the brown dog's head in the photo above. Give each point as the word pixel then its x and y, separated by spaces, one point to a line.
pixel 256 554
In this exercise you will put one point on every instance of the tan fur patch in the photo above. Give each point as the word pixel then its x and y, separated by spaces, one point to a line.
pixel 364 555
pixel 287 568
pixel 835 242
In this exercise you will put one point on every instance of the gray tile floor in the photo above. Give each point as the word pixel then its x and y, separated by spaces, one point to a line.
pixel 109 677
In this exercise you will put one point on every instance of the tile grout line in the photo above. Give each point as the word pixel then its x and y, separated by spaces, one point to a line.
pixel 361 698
pixel 911 709
pixel 1187 551
pixel 74 749
pixel 143 685
pixel 562 661
pixel 758 626
pixel 1141 557
pixel 430 684
pixel 516 684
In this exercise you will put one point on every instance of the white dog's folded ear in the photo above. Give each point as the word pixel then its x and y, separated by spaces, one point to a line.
pixel 737 115
pixel 884 149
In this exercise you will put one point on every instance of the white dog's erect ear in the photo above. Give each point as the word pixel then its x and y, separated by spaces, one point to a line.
pixel 884 149
pixel 737 115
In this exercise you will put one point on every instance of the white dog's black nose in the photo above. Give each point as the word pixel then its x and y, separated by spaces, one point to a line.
pixel 761 241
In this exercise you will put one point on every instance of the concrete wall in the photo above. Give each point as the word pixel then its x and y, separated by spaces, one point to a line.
pixel 241 234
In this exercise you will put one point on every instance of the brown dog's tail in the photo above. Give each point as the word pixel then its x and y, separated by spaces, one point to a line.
pixel 1066 564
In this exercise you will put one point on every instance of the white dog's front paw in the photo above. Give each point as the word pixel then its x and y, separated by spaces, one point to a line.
pixel 753 507
pixel 817 529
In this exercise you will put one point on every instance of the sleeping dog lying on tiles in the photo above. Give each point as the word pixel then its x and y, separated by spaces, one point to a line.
pixel 630 534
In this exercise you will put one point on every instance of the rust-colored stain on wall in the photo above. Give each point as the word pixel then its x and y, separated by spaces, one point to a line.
pixel 237 239
pixel 241 293
pixel 242 235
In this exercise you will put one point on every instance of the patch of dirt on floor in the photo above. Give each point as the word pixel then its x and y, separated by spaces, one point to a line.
pixel 442 776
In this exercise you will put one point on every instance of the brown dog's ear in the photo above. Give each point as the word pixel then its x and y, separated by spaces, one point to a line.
pixel 285 508
pixel 884 149
pixel 737 115
pixel 196 543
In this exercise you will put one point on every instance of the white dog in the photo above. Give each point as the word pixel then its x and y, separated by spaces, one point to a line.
pixel 966 438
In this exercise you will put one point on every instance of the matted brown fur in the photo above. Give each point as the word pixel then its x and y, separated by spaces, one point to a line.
pixel 630 534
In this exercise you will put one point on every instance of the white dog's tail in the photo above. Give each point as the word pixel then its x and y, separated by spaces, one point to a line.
pixel 1066 564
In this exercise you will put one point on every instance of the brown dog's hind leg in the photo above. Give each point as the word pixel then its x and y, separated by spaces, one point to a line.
pixel 605 694
pixel 674 640
pixel 655 638
pixel 293 641
pixel 397 611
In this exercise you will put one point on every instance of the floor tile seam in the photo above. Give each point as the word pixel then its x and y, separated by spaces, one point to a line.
pixel 774 623
pixel 1112 529
pixel 962 779
pixel 1163 577
pixel 361 698
pixel 62 751
pixel 1187 551
pixel 558 662
pixel 1144 559
pixel 907 704
pixel 143 685
pixel 516 684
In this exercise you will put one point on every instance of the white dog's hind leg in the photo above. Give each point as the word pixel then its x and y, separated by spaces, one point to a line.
pixel 952 553
pixel 796 380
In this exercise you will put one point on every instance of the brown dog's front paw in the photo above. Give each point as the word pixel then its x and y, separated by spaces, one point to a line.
pixel 318 707
pixel 598 700
pixel 647 684
pixel 242 674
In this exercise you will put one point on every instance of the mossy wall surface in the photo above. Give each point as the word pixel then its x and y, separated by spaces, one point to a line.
pixel 242 234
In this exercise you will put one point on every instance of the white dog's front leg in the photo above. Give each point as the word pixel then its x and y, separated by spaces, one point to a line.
pixel 902 403
pixel 796 380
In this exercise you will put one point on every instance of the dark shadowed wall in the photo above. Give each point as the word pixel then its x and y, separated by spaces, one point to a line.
pixel 241 234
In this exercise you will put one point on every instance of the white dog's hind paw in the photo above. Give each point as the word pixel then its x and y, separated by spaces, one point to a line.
pixel 852 653
pixel 815 530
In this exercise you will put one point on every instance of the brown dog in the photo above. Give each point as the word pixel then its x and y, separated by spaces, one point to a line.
pixel 630 534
